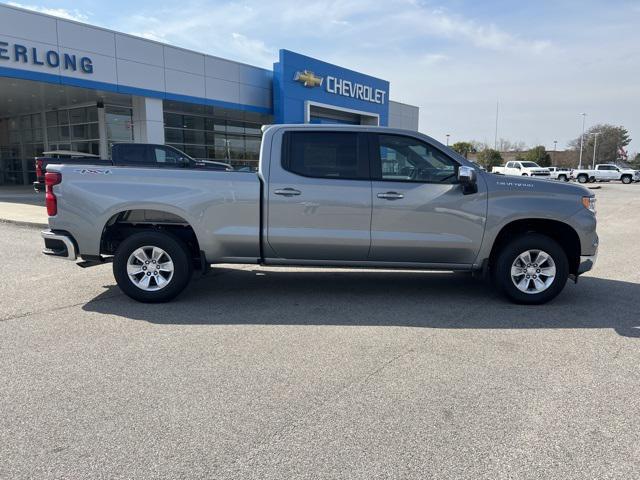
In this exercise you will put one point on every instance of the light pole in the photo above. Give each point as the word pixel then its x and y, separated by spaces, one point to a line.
pixel 595 143
pixel 584 115
pixel 555 145
pixel 448 135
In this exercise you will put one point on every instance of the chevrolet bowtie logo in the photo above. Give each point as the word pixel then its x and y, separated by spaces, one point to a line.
pixel 308 79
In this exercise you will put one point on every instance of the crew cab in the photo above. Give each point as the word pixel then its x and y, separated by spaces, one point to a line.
pixel 123 155
pixel 606 172
pixel 324 195
pixel 527 169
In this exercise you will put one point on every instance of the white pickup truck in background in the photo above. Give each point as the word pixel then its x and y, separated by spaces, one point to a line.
pixel 606 172
pixel 527 169
pixel 559 173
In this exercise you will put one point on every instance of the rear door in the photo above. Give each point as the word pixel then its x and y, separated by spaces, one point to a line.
pixel 420 212
pixel 319 196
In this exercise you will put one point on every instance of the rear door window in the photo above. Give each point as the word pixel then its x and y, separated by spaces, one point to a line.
pixel 336 155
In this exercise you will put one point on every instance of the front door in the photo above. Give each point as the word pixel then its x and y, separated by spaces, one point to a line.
pixel 420 212
pixel 319 197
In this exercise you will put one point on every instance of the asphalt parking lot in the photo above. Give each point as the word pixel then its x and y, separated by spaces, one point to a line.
pixel 301 373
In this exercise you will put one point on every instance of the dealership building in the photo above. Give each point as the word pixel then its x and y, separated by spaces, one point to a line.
pixel 66 85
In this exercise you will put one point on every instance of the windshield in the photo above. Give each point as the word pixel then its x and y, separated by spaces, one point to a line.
pixel 530 165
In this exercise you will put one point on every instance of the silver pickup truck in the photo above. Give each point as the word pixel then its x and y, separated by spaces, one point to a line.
pixel 324 195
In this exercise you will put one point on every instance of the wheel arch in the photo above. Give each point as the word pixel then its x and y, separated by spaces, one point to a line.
pixel 126 222
pixel 561 232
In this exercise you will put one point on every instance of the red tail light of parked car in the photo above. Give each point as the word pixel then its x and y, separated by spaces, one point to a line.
pixel 51 179
pixel 38 168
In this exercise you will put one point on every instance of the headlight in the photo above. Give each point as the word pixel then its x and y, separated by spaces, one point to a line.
pixel 589 203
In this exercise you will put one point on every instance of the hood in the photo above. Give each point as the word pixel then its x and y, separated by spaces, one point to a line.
pixel 542 186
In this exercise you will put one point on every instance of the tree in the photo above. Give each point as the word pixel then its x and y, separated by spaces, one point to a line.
pixel 463 148
pixel 538 155
pixel 489 158
pixel 610 147
pixel 505 145
pixel 635 163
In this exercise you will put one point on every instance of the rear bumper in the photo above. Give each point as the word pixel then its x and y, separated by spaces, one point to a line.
pixel 586 263
pixel 58 244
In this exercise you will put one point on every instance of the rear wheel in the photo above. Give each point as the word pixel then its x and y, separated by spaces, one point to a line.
pixel 152 266
pixel 531 269
pixel 626 179
pixel 563 178
pixel 583 178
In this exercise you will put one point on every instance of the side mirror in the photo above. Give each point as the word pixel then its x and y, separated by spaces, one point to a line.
pixel 466 175
pixel 468 179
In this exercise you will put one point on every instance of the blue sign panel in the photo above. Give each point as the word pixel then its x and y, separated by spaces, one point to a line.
pixel 298 79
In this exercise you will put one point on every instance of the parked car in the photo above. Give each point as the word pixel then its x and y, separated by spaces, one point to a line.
pixel 321 197
pixel 122 155
pixel 606 172
pixel 527 169
pixel 559 173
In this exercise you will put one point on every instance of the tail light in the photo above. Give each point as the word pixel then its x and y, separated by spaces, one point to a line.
pixel 38 168
pixel 51 179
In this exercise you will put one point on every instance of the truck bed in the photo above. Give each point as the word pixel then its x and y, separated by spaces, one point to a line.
pixel 223 208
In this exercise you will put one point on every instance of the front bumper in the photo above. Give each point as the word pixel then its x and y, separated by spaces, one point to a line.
pixel 58 244
pixel 586 263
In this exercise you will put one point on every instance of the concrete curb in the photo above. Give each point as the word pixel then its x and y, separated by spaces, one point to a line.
pixel 21 223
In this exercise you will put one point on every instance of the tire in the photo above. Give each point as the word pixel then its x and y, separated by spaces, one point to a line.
pixel 511 255
pixel 156 249
pixel 583 178
pixel 525 174
pixel 563 178
pixel 626 179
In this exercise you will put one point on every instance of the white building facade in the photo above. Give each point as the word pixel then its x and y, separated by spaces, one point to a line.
pixel 65 85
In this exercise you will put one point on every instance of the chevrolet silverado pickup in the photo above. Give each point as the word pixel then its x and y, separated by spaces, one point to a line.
pixel 324 195
pixel 604 172
pixel 525 169
pixel 126 155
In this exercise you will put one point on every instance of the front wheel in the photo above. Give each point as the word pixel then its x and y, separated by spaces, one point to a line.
pixel 531 269
pixel 152 266
pixel 626 179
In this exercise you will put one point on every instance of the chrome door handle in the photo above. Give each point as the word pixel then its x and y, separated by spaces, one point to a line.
pixel 287 192
pixel 391 195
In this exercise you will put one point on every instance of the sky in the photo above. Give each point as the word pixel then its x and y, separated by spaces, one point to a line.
pixel 544 62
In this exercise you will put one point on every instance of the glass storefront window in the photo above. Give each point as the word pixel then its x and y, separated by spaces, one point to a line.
pixel 224 135
pixel 63 133
pixel 63 117
pixel 36 120
pixel 25 122
pixel 78 115
pixel 193 123
pixel 52 134
pixel 193 137
pixel 119 124
pixel 173 135
pixel 173 120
